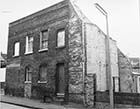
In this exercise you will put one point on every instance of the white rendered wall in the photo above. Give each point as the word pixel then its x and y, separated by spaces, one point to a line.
pixel 96 55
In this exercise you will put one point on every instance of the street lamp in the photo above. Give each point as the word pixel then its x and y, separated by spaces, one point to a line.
pixel 108 71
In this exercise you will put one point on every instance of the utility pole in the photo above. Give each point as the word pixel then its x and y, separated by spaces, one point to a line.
pixel 139 11
pixel 108 71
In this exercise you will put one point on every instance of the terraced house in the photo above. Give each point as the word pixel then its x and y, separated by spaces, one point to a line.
pixel 60 50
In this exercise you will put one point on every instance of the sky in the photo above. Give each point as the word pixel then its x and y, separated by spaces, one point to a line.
pixel 123 18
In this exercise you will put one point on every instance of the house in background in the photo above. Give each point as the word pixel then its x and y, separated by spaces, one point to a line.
pixel 3 62
pixel 135 62
pixel 58 49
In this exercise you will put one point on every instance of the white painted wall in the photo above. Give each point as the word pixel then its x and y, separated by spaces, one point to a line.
pixel 2 74
pixel 138 84
pixel 114 58
pixel 96 55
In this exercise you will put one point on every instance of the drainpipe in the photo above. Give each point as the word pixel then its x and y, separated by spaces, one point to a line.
pixel 84 63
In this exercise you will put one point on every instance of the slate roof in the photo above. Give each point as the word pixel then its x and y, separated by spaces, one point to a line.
pixel 135 62
pixel 3 60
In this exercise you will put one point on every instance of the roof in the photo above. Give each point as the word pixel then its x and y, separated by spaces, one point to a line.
pixel 4 56
pixel 134 59
pixel 135 62
pixel 3 60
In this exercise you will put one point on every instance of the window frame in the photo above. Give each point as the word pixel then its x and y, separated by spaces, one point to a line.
pixel 64 39
pixel 28 74
pixel 41 40
pixel 28 43
pixel 40 73
pixel 16 51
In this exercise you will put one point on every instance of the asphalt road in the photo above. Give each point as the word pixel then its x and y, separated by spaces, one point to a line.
pixel 10 106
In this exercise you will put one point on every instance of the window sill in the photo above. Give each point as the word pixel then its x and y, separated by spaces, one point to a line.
pixel 41 50
pixel 27 53
pixel 60 47
pixel 15 56
pixel 27 82
pixel 42 82
pixel 60 94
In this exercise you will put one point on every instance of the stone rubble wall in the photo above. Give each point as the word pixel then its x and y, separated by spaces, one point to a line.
pixel 75 57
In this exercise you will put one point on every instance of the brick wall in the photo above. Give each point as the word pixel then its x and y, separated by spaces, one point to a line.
pixel 53 19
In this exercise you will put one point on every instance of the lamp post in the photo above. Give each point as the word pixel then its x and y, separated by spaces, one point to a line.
pixel 108 65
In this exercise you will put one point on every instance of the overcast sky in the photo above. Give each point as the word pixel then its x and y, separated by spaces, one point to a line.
pixel 123 19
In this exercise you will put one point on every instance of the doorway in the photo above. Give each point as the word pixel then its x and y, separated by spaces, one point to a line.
pixel 28 82
pixel 60 79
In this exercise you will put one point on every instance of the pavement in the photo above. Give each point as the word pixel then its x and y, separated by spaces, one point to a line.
pixel 37 104
pixel 10 106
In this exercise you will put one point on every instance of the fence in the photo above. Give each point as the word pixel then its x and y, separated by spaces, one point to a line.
pixel 119 98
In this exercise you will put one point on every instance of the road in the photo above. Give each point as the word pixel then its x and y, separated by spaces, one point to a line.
pixel 10 106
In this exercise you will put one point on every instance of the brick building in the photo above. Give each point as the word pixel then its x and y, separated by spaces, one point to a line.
pixel 60 50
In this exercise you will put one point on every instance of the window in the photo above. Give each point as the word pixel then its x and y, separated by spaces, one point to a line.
pixel 16 49
pixel 61 38
pixel 29 44
pixel 28 74
pixel 44 40
pixel 43 73
pixel 116 84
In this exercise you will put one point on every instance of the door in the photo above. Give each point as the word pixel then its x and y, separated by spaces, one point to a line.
pixel 60 79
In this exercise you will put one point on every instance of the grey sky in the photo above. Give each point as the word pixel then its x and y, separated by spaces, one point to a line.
pixel 123 19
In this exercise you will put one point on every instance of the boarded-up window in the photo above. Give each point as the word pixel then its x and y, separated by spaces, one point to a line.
pixel 43 73
pixel 60 78
pixel 44 40
pixel 61 38
pixel 16 49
